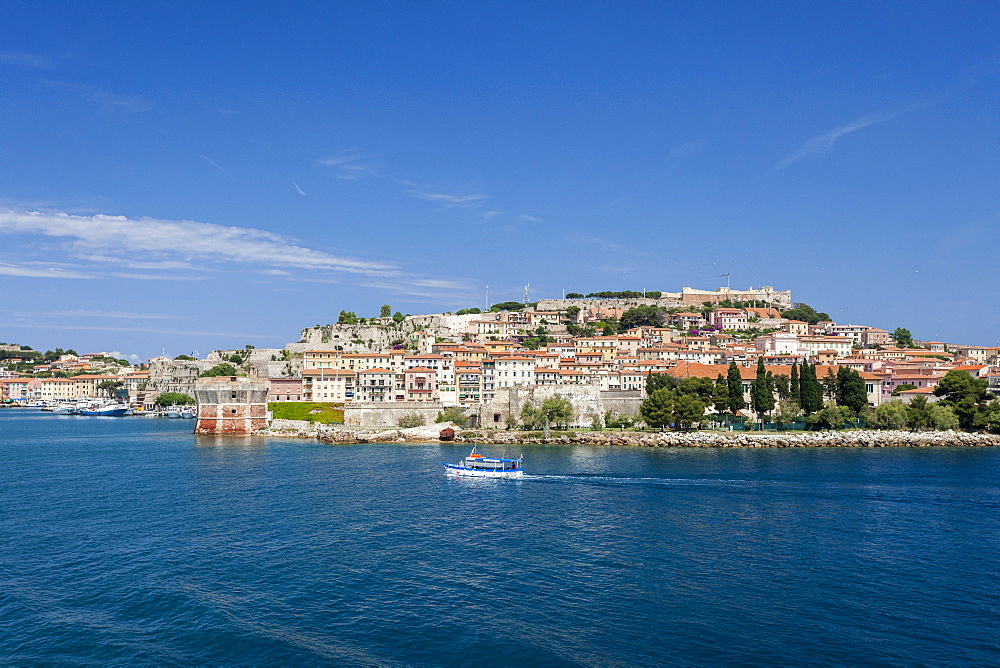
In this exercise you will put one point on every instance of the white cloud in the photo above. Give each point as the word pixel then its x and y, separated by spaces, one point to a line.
pixel 154 240
pixel 37 60
pixel 450 200
pixel 218 167
pixel 298 189
pixel 822 144
pixel 39 271
pixel 107 101
pixel 352 164
pixel 83 313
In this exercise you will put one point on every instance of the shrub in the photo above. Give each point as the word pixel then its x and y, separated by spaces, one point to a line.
pixel 410 420
pixel 452 414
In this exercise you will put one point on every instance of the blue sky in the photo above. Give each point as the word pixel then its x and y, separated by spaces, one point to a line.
pixel 191 176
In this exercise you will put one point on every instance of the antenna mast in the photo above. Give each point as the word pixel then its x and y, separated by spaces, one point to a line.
pixel 526 292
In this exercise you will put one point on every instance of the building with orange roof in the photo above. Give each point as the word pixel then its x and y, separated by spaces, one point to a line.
pixel 324 384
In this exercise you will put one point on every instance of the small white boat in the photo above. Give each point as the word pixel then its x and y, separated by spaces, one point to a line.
pixel 478 466
pixel 64 409
pixel 189 413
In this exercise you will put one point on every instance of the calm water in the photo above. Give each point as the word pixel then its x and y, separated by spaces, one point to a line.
pixel 130 541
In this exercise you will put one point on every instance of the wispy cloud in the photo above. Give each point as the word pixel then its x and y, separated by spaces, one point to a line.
pixel 83 313
pixel 36 60
pixel 824 143
pixel 129 104
pixel 351 164
pixel 154 240
pixel 217 166
pixel 450 200
pixel 143 330
pixel 39 271
pixel 298 189
pixel 427 289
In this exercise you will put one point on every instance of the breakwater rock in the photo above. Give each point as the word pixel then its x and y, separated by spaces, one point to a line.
pixel 695 439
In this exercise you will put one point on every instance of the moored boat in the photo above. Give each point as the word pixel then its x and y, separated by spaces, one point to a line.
pixel 478 466
pixel 107 410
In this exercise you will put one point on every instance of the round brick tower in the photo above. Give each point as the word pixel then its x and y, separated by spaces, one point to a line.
pixel 231 405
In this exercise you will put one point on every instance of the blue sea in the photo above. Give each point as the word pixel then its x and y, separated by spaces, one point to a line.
pixel 129 541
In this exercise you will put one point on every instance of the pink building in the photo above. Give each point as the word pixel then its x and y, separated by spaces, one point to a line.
pixel 728 318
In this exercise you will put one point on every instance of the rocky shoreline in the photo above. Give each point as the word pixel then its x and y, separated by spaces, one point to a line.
pixel 816 439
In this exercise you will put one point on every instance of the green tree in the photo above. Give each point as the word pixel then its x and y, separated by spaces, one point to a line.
pixel 109 386
pixel 831 416
pixel 347 318
pixel 467 311
pixel 943 417
pixel 829 384
pixel 688 408
pixel 453 414
pixel 642 316
pixel 788 410
pixel 794 386
pixel 762 392
pixel 902 337
pixel 574 295
pixel 186 358
pixel 989 417
pixel 782 386
pixel 735 385
pixel 811 392
pixel 507 306
pixel 556 410
pixel 903 387
pixel 966 395
pixel 173 399
pixel 805 313
pixel 918 414
pixel 223 369
pixel 573 312
pixel 656 381
pixel 851 391
pixel 398 317
pixel 658 409
pixel 720 395
pixel 891 415
pixel 410 420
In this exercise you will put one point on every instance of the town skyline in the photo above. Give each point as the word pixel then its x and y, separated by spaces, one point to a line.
pixel 216 176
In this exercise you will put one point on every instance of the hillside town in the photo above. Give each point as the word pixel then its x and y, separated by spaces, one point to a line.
pixel 604 346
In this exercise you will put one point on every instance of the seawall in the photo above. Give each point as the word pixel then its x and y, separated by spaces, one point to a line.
pixel 818 439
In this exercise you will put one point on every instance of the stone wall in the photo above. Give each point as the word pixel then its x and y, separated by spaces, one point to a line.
pixel 584 304
pixel 173 376
pixel 588 401
pixel 381 415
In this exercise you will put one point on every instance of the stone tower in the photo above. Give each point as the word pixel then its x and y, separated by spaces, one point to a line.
pixel 231 405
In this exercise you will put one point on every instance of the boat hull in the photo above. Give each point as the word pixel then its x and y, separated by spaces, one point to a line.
pixel 114 412
pixel 462 472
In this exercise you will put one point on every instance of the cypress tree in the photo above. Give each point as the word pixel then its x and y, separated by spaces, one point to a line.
pixel 812 391
pixel 796 387
pixel 735 383
pixel 762 391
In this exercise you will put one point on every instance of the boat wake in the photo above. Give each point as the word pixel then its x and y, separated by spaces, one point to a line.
pixel 598 479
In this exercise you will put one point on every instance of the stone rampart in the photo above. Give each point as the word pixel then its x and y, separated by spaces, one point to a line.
pixel 588 402
pixel 382 415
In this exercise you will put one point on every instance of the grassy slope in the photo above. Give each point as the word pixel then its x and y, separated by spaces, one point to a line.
pixel 300 410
